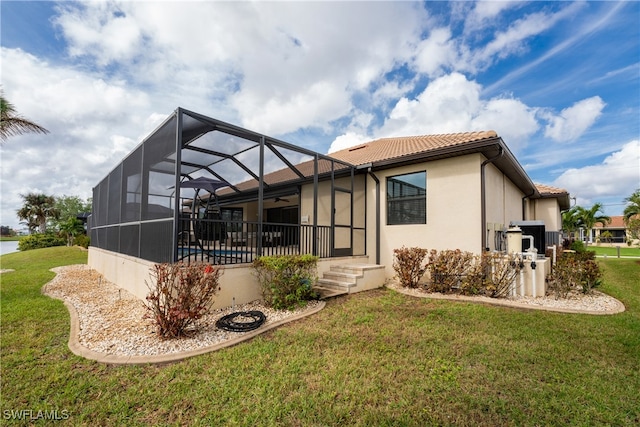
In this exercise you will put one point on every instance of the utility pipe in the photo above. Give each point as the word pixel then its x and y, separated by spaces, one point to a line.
pixel 483 202
pixel 521 278
pixel 526 197
pixel 530 239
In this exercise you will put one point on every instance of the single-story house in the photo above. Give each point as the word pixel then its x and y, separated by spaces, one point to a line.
pixel 201 189
pixel 617 231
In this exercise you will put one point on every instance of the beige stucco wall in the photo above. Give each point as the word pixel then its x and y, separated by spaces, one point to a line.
pixel 237 283
pixel 548 210
pixel 453 210
pixel 503 202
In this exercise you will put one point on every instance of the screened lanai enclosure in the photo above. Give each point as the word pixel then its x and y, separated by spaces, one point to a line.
pixel 201 189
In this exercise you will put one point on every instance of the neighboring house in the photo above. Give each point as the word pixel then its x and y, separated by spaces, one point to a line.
pixel 617 229
pixel 455 191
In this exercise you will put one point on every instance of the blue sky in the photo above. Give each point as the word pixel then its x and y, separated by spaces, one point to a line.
pixel 558 81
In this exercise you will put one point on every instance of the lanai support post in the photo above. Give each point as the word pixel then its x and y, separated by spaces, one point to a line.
pixel 176 202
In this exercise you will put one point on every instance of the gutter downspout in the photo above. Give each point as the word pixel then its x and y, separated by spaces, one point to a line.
pixel 483 202
pixel 375 178
pixel 526 197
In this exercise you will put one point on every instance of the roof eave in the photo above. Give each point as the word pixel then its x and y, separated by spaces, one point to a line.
pixel 488 147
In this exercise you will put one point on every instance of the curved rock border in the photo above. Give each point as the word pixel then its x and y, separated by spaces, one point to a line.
pixel 618 306
pixel 82 351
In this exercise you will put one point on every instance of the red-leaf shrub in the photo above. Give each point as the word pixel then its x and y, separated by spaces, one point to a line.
pixel 409 265
pixel 180 294
pixel 448 268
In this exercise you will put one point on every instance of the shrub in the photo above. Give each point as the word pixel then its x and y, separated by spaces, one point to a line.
pixel 286 280
pixel 38 241
pixel 473 283
pixel 578 246
pixel 491 274
pixel 590 276
pixel 182 294
pixel 81 240
pixel 501 273
pixel 562 277
pixel 447 269
pixel 577 271
pixel 408 265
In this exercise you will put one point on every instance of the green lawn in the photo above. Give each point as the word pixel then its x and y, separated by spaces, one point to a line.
pixel 375 358
pixel 11 239
pixel 613 251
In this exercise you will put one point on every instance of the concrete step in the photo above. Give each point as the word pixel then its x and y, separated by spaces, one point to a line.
pixel 329 292
pixel 335 284
pixel 358 269
pixel 340 276
pixel 348 278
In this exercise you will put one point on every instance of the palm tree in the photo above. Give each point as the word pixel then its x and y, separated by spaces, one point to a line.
pixel 37 209
pixel 11 123
pixel 633 206
pixel 570 220
pixel 71 228
pixel 588 218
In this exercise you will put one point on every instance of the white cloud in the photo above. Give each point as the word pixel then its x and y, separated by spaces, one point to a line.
pixel 279 65
pixel 452 104
pixel 102 31
pixel 436 52
pixel 619 173
pixel 512 41
pixel 92 124
pixel 347 140
pixel 573 121
pixel 485 10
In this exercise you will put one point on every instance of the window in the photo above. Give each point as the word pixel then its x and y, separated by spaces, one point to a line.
pixel 233 216
pixel 407 199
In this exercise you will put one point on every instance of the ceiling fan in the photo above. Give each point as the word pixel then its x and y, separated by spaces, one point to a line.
pixel 278 199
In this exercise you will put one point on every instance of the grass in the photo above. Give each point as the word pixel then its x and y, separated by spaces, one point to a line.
pixel 375 358
pixel 612 251
pixel 10 238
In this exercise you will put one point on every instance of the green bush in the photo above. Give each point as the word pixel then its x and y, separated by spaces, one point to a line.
pixel 286 280
pixel 81 240
pixel 408 265
pixel 578 246
pixel 39 241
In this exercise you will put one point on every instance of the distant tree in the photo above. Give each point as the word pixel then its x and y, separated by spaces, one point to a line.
pixel 7 231
pixel 588 218
pixel 31 223
pixel 68 208
pixel 11 123
pixel 632 210
pixel 633 227
pixel 606 236
pixel 37 209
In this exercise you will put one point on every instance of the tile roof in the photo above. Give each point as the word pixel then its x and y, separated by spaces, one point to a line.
pixel 616 222
pixel 545 190
pixel 397 147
